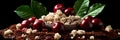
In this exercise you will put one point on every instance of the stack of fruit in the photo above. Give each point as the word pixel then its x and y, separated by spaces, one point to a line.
pixel 88 23
pixel 77 23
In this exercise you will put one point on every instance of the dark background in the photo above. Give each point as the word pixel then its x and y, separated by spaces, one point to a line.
pixel 110 15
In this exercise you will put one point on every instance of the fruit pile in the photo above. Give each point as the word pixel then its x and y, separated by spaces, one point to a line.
pixel 88 23
pixel 62 24
pixel 68 11
pixel 80 16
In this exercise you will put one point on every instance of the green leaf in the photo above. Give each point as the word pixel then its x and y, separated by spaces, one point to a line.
pixel 81 7
pixel 95 9
pixel 38 8
pixel 24 11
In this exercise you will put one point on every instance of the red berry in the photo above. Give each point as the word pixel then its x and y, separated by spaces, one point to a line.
pixel 97 21
pixel 89 18
pixel 58 7
pixel 85 24
pixel 24 29
pixel 69 11
pixel 37 24
pixel 32 19
pixel 57 27
pixel 97 24
pixel 25 23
